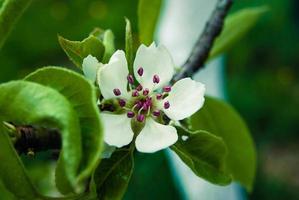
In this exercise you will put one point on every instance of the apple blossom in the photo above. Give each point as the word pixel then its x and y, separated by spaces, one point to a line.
pixel 145 104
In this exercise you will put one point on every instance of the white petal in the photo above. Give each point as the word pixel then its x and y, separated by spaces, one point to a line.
pixel 90 67
pixel 117 129
pixel 114 75
pixel 155 136
pixel 155 61
pixel 185 98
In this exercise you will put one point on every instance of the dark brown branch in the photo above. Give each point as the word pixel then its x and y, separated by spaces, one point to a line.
pixel 34 139
pixel 205 42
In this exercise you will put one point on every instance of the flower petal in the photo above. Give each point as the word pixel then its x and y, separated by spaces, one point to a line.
pixel 154 61
pixel 155 136
pixel 114 75
pixel 90 67
pixel 117 129
pixel 186 97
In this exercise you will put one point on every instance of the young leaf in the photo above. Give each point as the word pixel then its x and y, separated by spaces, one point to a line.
pixel 129 46
pixel 235 27
pixel 221 119
pixel 113 175
pixel 148 14
pixel 24 103
pixel 82 95
pixel 204 153
pixel 78 50
pixel 108 41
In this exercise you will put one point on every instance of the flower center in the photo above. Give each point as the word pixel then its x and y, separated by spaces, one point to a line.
pixel 143 102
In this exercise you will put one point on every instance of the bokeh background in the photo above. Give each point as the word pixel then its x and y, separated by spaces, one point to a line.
pixel 262 80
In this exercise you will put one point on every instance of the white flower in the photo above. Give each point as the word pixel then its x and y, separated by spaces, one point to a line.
pixel 147 102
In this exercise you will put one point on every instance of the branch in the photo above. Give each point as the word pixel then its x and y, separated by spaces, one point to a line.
pixel 31 139
pixel 205 42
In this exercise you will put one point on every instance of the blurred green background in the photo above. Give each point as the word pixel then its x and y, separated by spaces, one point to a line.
pixel 262 82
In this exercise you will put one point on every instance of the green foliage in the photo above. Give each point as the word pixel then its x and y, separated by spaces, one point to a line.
pixel 78 50
pixel 113 174
pixel 108 41
pixel 82 96
pixel 204 153
pixel 235 27
pixel 10 12
pixel 25 102
pixel 148 14
pixel 129 46
pixel 221 119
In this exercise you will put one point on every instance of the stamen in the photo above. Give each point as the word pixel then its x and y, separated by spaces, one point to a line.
pixel 145 106
pixel 135 93
pixel 140 71
pixel 157 113
pixel 117 92
pixel 166 104
pixel 130 79
pixel 145 92
pixel 137 105
pixel 167 88
pixel 159 96
pixel 140 118
pixel 139 88
pixel 122 102
pixel 130 114
pixel 156 78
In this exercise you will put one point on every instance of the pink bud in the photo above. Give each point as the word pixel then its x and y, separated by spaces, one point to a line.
pixel 166 104
pixel 140 71
pixel 157 113
pixel 116 92
pixel 130 79
pixel 139 87
pixel 159 96
pixel 167 88
pixel 121 102
pixel 130 114
pixel 140 118
pixel 135 93
pixel 156 79
pixel 145 91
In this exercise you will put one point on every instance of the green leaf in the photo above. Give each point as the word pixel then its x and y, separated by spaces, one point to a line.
pixel 148 14
pixel 82 96
pixel 204 153
pixel 221 119
pixel 235 27
pixel 10 12
pixel 108 41
pixel 24 102
pixel 113 175
pixel 78 50
pixel 129 46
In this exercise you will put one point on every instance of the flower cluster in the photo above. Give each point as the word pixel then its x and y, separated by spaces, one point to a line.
pixel 143 98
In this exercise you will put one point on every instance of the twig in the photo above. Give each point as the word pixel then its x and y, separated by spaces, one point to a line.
pixel 30 139
pixel 205 42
